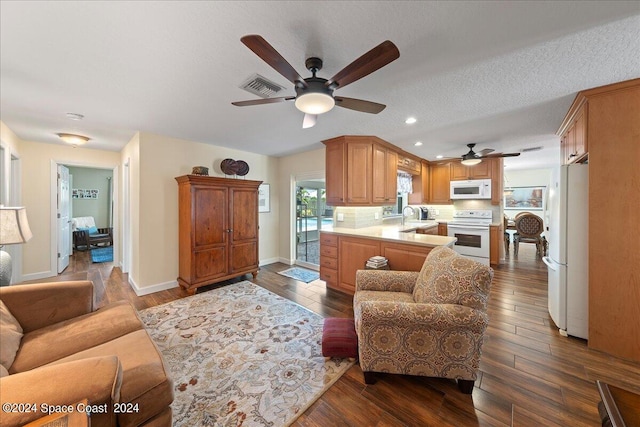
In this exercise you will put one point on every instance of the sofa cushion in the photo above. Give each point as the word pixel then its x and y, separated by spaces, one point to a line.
pixel 62 339
pixel 449 278
pixel 10 336
pixel 3 371
pixel 145 380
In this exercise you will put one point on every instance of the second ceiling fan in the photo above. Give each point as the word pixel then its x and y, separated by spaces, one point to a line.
pixel 314 95
pixel 472 158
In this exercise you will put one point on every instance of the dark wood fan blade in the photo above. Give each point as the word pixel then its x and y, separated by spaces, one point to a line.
pixel 489 156
pixel 371 61
pixel 268 54
pixel 359 105
pixel 263 101
pixel 485 151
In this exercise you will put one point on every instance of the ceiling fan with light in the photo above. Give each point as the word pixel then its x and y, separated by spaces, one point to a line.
pixel 314 95
pixel 472 158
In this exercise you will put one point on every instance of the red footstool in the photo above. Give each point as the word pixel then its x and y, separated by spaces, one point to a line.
pixel 339 338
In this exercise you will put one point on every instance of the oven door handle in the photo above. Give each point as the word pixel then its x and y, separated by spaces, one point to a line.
pixel 469 227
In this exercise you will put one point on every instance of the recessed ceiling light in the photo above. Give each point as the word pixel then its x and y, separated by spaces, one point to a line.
pixel 74 116
pixel 410 120
pixel 439 156
pixel 418 144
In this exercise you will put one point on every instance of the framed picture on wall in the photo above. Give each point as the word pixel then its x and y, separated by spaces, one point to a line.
pixel 530 198
pixel 264 204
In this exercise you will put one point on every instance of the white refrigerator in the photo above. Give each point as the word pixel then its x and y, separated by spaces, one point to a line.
pixel 568 257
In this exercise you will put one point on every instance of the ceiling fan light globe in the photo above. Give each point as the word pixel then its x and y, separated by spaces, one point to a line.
pixel 470 162
pixel 314 103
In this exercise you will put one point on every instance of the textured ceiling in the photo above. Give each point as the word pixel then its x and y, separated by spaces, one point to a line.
pixel 500 74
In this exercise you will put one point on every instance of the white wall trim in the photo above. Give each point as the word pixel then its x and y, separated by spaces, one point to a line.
pixel 38 276
pixel 287 261
pixel 268 261
pixel 153 288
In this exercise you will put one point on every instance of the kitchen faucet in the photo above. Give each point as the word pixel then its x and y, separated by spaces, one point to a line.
pixel 413 212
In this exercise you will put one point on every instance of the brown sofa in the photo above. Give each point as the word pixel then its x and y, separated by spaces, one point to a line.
pixel 69 352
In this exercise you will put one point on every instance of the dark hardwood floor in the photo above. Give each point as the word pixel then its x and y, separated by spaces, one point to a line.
pixel 530 375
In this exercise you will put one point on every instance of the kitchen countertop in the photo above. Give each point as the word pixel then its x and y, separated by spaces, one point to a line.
pixel 397 233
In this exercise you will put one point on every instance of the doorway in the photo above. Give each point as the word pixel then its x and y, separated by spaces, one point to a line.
pixel 311 215
pixel 106 196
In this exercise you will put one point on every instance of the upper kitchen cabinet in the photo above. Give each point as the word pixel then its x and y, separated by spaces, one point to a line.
pixel 439 188
pixel 355 166
pixel 460 172
pixel 420 185
pixel 409 164
pixel 573 134
pixel 385 173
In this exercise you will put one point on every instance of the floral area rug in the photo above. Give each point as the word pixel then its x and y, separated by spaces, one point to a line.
pixel 240 355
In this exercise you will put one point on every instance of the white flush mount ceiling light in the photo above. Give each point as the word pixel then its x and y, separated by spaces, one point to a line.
pixel 314 102
pixel 74 139
pixel 411 120
pixel 418 144
pixel 439 156
pixel 470 162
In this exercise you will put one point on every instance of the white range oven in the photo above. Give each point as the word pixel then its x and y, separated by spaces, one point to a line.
pixel 471 228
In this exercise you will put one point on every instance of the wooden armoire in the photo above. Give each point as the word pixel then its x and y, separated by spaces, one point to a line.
pixel 218 229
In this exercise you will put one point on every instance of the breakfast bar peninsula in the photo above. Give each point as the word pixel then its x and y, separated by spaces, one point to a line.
pixel 343 251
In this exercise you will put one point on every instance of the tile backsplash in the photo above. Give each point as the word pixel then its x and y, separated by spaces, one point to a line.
pixel 357 217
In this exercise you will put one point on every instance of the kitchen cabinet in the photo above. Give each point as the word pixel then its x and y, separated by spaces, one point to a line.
pixel 329 259
pixel 612 129
pixel 409 164
pixel 217 229
pixel 496 241
pixel 353 254
pixel 385 175
pixel 573 138
pixel 404 257
pixel 420 184
pixel 352 173
pixel 431 230
pixel 460 172
pixel 443 230
pixel 439 188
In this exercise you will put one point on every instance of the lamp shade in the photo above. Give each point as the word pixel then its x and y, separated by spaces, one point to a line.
pixel 14 227
pixel 314 103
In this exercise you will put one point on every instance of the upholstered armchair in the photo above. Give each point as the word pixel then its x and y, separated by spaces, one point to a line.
pixel 430 323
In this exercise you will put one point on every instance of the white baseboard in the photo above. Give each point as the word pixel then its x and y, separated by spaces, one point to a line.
pixel 268 261
pixel 287 261
pixel 37 276
pixel 153 288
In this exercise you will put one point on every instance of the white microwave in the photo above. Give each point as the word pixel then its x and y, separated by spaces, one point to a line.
pixel 471 189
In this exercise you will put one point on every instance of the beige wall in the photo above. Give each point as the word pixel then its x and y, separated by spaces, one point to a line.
pixel 37 160
pixel 9 142
pixel 162 159
pixel 153 163
pixel 300 165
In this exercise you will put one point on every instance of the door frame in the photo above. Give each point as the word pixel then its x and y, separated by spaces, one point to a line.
pixel 53 203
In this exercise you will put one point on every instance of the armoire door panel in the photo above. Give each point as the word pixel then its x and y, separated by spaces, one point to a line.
pixel 244 256
pixel 244 215
pixel 211 263
pixel 210 215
